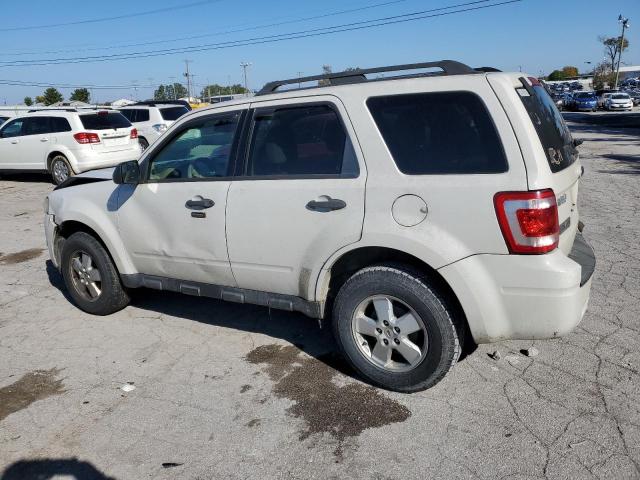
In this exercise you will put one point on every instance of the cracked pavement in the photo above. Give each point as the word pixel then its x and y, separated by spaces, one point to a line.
pixel 204 410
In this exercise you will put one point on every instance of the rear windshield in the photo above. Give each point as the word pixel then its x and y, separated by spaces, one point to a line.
pixel 104 121
pixel 552 130
pixel 173 113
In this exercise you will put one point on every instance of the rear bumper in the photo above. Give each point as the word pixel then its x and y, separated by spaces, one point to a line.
pixel 89 160
pixel 520 297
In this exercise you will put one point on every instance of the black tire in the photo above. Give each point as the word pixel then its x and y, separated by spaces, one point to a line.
pixel 112 297
pixel 414 290
pixel 61 162
pixel 143 143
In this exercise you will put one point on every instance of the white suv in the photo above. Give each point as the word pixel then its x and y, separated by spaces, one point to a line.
pixel 66 142
pixel 411 210
pixel 152 120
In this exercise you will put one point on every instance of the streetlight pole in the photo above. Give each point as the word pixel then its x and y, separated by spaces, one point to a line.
pixel 625 25
pixel 244 66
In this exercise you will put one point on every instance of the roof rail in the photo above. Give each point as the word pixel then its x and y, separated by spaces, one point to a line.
pixel 153 103
pixel 448 67
pixel 52 110
pixel 487 69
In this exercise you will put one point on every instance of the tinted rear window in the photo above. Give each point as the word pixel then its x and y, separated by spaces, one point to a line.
pixel 552 130
pixel 104 121
pixel 173 113
pixel 439 133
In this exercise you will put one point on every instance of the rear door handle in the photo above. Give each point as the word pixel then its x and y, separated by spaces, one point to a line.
pixel 44 139
pixel 327 205
pixel 199 203
pixel 14 142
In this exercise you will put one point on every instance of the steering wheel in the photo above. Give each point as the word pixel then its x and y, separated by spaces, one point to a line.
pixel 202 167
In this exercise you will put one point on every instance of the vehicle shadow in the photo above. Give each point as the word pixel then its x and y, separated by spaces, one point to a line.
pixel 312 336
pixel 26 177
pixel 630 164
pixel 49 468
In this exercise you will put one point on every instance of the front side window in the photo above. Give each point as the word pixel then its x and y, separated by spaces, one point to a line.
pixel 202 150
pixel 439 133
pixel 305 140
pixel 13 128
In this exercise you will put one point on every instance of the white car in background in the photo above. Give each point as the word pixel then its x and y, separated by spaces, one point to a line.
pixel 67 142
pixel 618 101
pixel 152 120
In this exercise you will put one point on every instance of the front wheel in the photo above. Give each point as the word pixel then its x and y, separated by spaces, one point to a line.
pixel 60 169
pixel 90 276
pixel 395 329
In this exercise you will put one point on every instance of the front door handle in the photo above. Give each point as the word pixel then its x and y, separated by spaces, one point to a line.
pixel 327 204
pixel 199 203
pixel 44 139
pixel 14 142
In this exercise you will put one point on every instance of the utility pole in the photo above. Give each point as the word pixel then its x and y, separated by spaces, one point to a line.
pixel 625 25
pixel 188 75
pixel 244 66
pixel 299 77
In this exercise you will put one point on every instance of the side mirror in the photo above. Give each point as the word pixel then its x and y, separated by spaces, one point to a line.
pixel 127 173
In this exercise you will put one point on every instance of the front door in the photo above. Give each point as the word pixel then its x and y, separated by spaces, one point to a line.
pixel 173 223
pixel 300 198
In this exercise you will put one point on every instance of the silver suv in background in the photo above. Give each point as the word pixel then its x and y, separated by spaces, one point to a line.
pixel 416 212
pixel 152 119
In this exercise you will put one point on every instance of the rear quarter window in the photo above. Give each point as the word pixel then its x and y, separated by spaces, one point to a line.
pixel 439 133
pixel 173 113
pixel 552 130
pixel 104 121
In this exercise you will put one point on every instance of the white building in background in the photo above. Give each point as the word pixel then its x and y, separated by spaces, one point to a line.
pixel 631 71
pixel 122 102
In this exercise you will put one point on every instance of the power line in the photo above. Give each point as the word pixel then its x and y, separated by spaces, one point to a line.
pixel 193 37
pixel 397 19
pixel 109 19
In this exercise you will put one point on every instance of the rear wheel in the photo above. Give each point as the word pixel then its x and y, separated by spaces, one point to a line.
pixel 60 169
pixel 395 329
pixel 90 276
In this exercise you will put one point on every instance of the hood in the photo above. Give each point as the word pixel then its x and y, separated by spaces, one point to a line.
pixel 98 175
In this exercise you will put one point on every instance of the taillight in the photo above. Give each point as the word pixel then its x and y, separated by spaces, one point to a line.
pixel 528 220
pixel 86 137
pixel 134 133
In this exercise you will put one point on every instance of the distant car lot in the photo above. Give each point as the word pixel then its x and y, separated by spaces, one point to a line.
pixel 228 391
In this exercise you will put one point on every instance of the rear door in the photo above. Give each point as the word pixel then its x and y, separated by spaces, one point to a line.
pixel 300 196
pixel 113 129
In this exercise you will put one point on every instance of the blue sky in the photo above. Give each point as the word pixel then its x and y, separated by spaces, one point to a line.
pixel 538 35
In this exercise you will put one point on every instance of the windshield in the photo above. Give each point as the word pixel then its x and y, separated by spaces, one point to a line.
pixel 173 113
pixel 586 96
pixel 104 121
pixel 552 130
pixel 620 96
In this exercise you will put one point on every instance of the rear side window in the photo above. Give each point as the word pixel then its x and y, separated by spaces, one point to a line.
pixel 59 124
pixel 304 140
pixel 439 133
pixel 171 113
pixel 552 130
pixel 36 126
pixel 104 121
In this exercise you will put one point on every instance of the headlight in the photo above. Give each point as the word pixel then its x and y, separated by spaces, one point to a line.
pixel 45 205
pixel 160 127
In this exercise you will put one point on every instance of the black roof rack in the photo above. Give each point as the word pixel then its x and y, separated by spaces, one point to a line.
pixel 487 69
pixel 448 67
pixel 153 103
pixel 52 110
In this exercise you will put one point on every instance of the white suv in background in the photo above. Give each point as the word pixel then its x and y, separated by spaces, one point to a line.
pixel 152 120
pixel 66 142
pixel 409 210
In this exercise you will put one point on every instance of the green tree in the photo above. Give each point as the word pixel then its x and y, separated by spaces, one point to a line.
pixel 39 99
pixel 603 76
pixel 612 49
pixel 81 95
pixel 160 93
pixel 556 75
pixel 570 71
pixel 51 96
pixel 28 101
pixel 215 89
pixel 170 92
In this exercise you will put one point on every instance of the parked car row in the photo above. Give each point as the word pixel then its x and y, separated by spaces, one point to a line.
pixel 69 141
pixel 589 101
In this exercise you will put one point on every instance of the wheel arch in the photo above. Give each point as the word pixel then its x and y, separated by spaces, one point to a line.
pixel 358 258
pixel 60 150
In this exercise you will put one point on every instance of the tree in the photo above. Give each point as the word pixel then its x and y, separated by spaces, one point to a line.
pixel 28 101
pixel 556 75
pixel 39 99
pixel 170 92
pixel 160 93
pixel 326 70
pixel 570 72
pixel 603 76
pixel 80 95
pixel 215 89
pixel 51 96
pixel 612 48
